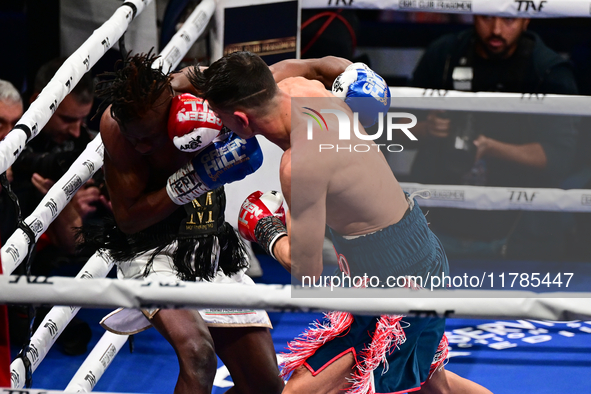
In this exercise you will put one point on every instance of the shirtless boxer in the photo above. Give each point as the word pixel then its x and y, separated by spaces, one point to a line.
pixel 158 232
pixel 375 227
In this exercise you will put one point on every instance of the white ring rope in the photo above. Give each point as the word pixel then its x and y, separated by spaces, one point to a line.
pixel 440 99
pixel 68 75
pixel 503 198
pixel 136 294
pixel 511 8
pixel 54 323
pixel 182 41
pixel 97 362
pixel 100 263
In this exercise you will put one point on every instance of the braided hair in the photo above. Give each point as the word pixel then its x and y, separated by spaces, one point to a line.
pixel 133 88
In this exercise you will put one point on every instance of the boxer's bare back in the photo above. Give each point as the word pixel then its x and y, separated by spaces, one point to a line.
pixel 334 187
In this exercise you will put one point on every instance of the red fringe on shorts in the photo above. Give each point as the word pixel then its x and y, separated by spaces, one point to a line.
pixel 440 355
pixel 308 342
pixel 388 335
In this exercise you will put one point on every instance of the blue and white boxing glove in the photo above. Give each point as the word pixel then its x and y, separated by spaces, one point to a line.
pixel 364 91
pixel 226 160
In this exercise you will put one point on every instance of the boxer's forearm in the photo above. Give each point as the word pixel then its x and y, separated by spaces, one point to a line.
pixel 282 252
pixel 180 82
pixel 529 155
pixel 146 211
pixel 324 69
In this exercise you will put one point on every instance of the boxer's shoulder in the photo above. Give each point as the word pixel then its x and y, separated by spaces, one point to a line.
pixel 110 132
pixel 302 87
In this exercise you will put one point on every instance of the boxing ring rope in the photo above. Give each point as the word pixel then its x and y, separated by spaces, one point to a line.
pixel 503 198
pixel 105 292
pixel 84 167
pixel 100 263
pixel 440 99
pixel 96 363
pixel 507 8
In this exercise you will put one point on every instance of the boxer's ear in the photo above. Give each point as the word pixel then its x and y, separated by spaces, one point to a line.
pixel 242 118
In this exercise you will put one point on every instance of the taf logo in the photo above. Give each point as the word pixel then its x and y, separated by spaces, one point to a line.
pixel 338 2
pixel 526 5
pixel 522 196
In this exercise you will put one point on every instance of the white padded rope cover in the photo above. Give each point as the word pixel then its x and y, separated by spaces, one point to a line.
pixel 502 198
pixel 439 99
pixel 139 294
pixel 182 41
pixel 97 362
pixel 99 265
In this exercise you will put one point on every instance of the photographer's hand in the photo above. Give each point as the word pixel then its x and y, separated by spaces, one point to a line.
pixel 42 184
pixel 530 155
pixel 434 127
pixel 86 199
pixel 483 146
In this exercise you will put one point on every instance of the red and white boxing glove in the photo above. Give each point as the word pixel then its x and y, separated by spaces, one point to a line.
pixel 262 219
pixel 192 125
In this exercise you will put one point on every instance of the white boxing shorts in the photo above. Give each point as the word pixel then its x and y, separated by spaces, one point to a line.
pixel 131 321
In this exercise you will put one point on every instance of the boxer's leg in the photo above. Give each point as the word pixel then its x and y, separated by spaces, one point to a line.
pixel 331 380
pixel 188 334
pixel 250 357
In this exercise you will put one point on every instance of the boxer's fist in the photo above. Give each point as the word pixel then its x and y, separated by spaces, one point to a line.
pixel 192 125
pixel 262 219
pixel 364 91
pixel 229 159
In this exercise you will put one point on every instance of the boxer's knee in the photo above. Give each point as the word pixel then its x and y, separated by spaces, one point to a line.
pixel 197 358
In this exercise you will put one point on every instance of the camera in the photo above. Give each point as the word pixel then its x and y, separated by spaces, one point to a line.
pixel 460 151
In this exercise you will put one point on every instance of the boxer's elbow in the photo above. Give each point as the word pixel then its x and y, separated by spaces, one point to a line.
pixel 127 223
pixel 128 227
pixel 307 271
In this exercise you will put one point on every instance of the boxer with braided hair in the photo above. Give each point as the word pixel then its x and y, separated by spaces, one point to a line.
pixel 168 208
